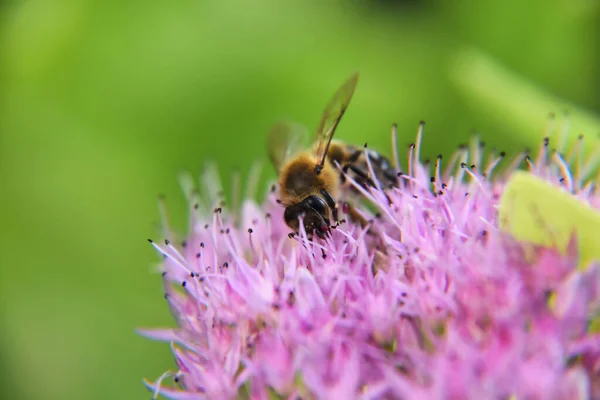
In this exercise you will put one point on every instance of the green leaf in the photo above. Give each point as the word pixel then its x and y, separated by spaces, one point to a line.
pixel 533 210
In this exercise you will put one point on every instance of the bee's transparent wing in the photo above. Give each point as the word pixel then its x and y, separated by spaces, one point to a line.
pixel 332 115
pixel 285 139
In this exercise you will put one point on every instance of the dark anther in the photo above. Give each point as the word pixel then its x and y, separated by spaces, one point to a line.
pixel 250 230
pixel 150 241
pixel 463 165
pixel 167 242
pixel 202 244
pixel 183 283
pixel 432 179
pixel 196 206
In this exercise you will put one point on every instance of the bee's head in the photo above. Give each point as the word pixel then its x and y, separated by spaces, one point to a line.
pixel 315 212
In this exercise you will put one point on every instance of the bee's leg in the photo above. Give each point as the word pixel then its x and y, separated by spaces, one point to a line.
pixel 355 216
pixel 364 176
pixel 361 174
pixel 331 203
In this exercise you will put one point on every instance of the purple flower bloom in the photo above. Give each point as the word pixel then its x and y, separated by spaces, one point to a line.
pixel 431 301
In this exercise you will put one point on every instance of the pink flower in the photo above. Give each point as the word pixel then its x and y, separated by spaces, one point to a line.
pixel 434 302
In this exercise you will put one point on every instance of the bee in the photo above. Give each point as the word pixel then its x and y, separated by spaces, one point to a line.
pixel 308 179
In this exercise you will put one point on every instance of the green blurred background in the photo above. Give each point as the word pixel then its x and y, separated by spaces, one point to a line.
pixel 103 103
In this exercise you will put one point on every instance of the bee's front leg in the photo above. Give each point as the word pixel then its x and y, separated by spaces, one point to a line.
pixel 331 203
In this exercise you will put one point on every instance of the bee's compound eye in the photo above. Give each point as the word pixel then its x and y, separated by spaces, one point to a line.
pixel 317 204
pixel 291 215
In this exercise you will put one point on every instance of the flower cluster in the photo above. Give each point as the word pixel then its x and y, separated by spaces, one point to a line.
pixel 432 300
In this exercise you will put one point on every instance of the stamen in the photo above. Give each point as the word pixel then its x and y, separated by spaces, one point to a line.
pixel 171 257
pixel 395 147
pixel 493 163
pixel 473 176
pixel 542 158
pixel 369 196
pixel 572 155
pixel 372 174
pixel 452 164
pixel 565 171
pixel 411 150
pixel 579 164
pixel 476 150
pixel 174 250
pixel 437 173
pixel 158 383
pixel 530 163
pixel 418 142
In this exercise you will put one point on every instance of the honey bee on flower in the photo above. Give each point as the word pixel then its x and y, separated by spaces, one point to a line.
pixel 310 182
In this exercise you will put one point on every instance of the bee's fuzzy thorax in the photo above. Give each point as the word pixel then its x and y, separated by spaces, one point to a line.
pixel 298 178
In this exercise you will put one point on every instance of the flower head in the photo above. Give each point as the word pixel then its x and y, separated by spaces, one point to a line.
pixel 432 300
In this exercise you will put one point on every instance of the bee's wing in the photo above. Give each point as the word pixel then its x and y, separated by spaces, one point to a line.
pixel 332 115
pixel 285 139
